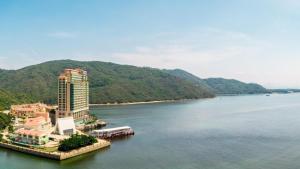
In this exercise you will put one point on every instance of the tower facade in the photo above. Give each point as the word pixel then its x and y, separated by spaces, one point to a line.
pixel 73 94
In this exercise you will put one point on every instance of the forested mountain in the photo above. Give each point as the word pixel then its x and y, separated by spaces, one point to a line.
pixel 109 83
pixel 220 86
pixel 114 83
pixel 231 86
pixel 187 76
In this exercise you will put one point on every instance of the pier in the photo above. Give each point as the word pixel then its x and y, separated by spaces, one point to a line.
pixel 113 132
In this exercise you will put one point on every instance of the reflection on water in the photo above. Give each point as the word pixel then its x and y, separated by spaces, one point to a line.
pixel 80 158
pixel 249 132
pixel 121 138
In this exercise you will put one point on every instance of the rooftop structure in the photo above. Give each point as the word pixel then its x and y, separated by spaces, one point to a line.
pixel 66 126
pixel 73 94
pixel 38 123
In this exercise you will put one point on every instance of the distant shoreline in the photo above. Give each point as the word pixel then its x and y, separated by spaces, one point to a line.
pixel 155 101
pixel 137 103
pixel 171 101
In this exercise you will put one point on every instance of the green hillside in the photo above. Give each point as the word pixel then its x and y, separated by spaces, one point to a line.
pixel 109 83
pixel 114 83
pixel 231 86
pixel 220 85
pixel 189 77
pixel 8 98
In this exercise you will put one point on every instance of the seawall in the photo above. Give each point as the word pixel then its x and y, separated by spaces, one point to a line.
pixel 58 155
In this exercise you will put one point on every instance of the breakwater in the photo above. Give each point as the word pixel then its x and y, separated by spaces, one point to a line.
pixel 58 155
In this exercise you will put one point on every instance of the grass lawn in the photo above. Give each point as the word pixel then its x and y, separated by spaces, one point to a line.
pixel 49 149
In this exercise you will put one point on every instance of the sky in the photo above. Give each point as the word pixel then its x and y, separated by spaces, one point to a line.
pixel 249 40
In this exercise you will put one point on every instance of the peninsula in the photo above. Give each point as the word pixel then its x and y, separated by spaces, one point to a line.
pixel 55 132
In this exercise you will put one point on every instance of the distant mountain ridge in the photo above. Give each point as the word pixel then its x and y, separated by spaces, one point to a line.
pixel 114 83
pixel 109 82
pixel 221 86
pixel 284 91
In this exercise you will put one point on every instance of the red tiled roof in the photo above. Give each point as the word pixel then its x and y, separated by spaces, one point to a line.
pixel 35 121
pixel 31 132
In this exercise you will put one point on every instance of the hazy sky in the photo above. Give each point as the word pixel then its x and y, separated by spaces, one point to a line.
pixel 249 40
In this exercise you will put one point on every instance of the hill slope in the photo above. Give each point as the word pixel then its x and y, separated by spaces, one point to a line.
pixel 189 77
pixel 231 86
pixel 220 85
pixel 8 98
pixel 109 83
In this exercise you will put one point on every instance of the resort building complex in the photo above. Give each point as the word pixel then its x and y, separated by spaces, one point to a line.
pixel 30 110
pixel 42 125
pixel 56 132
pixel 73 94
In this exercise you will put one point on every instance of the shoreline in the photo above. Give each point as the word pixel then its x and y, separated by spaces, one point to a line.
pixel 171 101
pixel 137 103
pixel 148 102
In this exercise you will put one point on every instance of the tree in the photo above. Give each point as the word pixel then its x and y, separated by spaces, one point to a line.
pixel 76 141
pixel 5 120
pixel 11 129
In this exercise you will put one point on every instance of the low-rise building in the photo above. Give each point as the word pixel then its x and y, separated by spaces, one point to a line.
pixel 35 131
pixel 31 137
pixel 29 110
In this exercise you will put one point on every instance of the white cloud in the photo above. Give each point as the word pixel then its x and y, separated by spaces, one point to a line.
pixel 193 50
pixel 62 35
pixel 218 53
pixel 206 52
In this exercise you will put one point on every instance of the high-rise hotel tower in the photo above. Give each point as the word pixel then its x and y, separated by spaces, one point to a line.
pixel 73 94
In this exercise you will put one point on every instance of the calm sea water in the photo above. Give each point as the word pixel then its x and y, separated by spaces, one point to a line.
pixel 249 132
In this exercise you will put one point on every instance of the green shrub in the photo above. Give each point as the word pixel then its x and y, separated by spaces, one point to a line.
pixel 5 120
pixel 76 141
pixel 11 129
